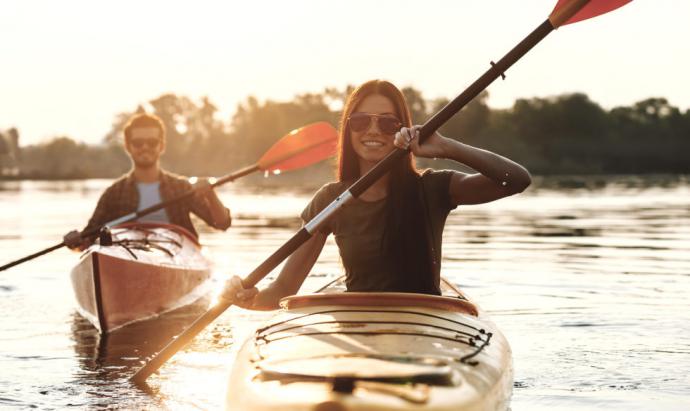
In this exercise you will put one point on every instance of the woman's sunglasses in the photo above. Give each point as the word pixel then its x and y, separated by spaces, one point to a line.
pixel 141 142
pixel 387 123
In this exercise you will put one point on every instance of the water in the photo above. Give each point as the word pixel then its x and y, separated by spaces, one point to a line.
pixel 588 278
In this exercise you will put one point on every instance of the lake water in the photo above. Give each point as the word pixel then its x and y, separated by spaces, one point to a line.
pixel 588 278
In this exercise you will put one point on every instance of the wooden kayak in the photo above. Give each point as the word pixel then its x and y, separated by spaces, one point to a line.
pixel 149 269
pixel 336 351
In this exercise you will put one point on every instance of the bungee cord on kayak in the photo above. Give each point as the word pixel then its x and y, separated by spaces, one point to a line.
pixel 264 330
pixel 480 340
pixel 267 337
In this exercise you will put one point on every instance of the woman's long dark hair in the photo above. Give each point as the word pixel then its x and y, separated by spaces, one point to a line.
pixel 405 240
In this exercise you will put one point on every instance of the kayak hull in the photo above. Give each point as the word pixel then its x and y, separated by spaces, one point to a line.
pixel 150 269
pixel 373 351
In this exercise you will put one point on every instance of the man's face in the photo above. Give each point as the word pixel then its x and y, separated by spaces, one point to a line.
pixel 145 146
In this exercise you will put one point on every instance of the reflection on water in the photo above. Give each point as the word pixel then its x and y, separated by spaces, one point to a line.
pixel 111 356
pixel 588 277
pixel 107 361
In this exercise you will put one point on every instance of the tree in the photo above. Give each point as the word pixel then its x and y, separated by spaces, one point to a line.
pixel 469 123
pixel 256 126
pixel 560 134
pixel 416 104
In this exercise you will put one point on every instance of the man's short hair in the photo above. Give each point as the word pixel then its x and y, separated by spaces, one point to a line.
pixel 144 120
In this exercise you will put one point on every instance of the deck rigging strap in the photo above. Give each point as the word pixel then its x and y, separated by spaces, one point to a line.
pixel 480 339
pixel 144 244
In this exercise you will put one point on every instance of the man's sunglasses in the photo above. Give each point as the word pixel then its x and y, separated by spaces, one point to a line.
pixel 387 123
pixel 141 142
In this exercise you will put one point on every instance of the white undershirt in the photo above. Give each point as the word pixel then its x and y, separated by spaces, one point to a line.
pixel 149 195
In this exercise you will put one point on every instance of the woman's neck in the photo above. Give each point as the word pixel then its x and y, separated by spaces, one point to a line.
pixel 376 191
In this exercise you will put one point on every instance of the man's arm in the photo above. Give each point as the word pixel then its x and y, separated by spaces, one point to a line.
pixel 208 206
pixel 101 213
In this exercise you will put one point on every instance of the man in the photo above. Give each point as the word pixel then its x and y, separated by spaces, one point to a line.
pixel 147 184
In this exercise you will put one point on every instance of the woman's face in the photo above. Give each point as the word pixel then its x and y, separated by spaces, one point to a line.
pixel 372 128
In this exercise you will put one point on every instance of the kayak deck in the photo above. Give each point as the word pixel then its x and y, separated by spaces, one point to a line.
pixel 368 351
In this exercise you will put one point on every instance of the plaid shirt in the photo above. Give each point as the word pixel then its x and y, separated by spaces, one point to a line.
pixel 122 198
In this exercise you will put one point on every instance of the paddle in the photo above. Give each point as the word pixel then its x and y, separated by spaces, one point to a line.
pixel 565 12
pixel 300 148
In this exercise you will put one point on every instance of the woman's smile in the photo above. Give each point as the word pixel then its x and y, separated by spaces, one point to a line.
pixel 373 143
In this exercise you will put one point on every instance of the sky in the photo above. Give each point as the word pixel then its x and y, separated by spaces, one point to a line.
pixel 68 68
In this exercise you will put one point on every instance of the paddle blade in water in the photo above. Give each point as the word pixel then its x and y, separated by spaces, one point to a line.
pixel 572 11
pixel 302 147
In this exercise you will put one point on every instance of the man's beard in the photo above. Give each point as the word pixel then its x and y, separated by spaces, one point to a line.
pixel 145 163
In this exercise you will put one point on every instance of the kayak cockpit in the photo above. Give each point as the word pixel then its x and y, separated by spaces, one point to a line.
pixel 335 293
pixel 356 299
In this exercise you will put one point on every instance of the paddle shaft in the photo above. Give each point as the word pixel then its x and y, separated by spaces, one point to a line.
pixel 32 256
pixel 146 211
pixel 360 186
pixel 136 215
pixel 216 310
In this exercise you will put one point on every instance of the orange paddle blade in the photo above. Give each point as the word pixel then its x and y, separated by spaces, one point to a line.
pixel 301 147
pixel 572 11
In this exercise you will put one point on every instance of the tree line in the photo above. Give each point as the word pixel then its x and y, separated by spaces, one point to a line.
pixel 565 134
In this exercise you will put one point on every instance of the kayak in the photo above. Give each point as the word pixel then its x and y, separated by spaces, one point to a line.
pixel 336 350
pixel 139 271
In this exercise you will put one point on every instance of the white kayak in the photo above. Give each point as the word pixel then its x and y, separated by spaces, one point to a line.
pixel 336 351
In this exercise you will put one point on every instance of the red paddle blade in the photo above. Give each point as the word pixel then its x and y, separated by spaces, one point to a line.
pixel 572 11
pixel 300 148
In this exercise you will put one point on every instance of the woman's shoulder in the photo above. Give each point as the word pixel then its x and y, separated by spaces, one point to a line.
pixel 323 196
pixel 332 189
pixel 326 194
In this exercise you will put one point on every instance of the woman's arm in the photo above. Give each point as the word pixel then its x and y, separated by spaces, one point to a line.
pixel 289 281
pixel 497 176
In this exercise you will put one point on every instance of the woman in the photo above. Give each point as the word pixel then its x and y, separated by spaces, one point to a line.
pixel 390 237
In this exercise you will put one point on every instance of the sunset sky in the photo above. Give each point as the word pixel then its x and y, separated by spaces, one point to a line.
pixel 67 68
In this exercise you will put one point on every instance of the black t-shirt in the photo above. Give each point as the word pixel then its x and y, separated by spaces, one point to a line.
pixel 359 226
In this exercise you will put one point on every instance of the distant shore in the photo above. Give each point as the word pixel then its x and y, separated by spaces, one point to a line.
pixel 561 135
